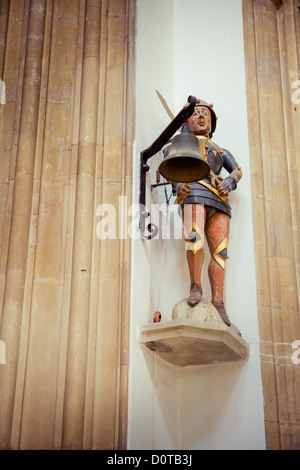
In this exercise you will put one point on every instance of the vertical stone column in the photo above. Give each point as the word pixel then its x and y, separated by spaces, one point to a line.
pixel 125 272
pixel 13 33
pixel 109 418
pixel 21 210
pixel 46 307
pixel 66 142
pixel 289 37
pixel 4 8
pixel 270 118
pixel 83 233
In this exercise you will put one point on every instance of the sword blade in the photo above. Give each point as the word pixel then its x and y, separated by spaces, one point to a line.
pixel 164 103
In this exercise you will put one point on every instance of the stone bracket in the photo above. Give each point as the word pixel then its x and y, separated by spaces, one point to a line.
pixel 195 336
pixel 185 342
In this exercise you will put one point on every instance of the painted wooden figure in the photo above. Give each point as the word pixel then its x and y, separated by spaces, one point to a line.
pixel 206 210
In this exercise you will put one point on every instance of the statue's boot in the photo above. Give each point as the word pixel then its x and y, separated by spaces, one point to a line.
pixel 221 309
pixel 195 295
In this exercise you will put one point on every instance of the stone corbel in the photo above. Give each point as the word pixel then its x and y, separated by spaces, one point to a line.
pixel 195 336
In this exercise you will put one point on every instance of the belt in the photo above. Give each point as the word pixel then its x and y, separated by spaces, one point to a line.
pixel 180 200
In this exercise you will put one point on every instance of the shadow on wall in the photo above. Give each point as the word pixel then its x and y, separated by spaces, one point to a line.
pixel 195 407
pixel 164 402
pixel 210 406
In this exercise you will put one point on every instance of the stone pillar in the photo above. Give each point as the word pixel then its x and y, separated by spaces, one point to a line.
pixel 11 321
pixel 3 31
pixel 66 137
pixel 270 49
pixel 83 234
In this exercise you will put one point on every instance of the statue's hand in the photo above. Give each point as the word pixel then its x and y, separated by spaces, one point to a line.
pixel 224 187
pixel 184 191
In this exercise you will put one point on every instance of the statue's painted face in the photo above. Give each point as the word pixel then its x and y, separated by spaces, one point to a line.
pixel 200 121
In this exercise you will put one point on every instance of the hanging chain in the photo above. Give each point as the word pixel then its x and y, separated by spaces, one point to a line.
pixel 168 198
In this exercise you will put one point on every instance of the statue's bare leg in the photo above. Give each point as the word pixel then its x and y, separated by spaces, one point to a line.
pixel 217 232
pixel 194 221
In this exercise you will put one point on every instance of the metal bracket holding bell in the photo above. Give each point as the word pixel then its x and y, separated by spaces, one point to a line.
pixel 185 155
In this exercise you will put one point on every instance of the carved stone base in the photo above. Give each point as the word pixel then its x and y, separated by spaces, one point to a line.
pixel 203 312
pixel 195 336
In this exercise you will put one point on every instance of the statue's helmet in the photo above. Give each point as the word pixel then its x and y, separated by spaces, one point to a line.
pixel 213 114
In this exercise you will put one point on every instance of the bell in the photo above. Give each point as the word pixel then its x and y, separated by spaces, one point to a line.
pixel 184 163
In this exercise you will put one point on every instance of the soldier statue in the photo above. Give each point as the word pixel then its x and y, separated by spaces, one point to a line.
pixel 206 210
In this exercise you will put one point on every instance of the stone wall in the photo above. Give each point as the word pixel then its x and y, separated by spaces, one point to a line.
pixel 272 51
pixel 66 135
